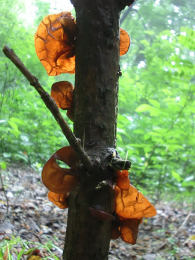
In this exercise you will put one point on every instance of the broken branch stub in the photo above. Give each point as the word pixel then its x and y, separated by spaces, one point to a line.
pixel 124 3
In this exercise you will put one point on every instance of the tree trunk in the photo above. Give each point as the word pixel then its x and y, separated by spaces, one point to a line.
pixel 95 111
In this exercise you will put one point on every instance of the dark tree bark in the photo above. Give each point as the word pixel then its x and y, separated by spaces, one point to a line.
pixel 95 115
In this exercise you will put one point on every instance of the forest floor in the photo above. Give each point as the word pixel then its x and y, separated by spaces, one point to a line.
pixel 30 216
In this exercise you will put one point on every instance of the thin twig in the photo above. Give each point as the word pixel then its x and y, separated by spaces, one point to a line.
pixel 127 11
pixel 6 198
pixel 51 105
pixel 184 222
pixel 124 3
pixel 174 234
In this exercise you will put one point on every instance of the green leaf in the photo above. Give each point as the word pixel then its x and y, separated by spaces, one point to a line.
pixel 143 108
pixel 155 103
pixel 176 176
pixel 14 128
pixel 3 165
pixel 188 184
pixel 148 108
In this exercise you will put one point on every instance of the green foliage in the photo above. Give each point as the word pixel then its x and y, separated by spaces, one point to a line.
pixel 17 248
pixel 156 97
pixel 28 133
pixel 157 114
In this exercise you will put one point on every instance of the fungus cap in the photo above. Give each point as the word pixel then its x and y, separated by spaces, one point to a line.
pixel 54 43
pixel 57 179
pixel 58 199
pixel 124 42
pixel 122 179
pixel 62 93
pixel 129 230
pixel 131 204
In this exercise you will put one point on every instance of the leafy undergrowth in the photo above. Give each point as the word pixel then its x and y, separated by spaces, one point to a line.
pixel 31 222
pixel 18 248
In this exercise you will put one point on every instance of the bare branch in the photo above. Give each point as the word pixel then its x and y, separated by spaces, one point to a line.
pixel 125 14
pixel 51 105
pixel 124 3
pixel 120 164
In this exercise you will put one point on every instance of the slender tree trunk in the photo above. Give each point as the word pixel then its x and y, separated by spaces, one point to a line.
pixel 91 204
pixel 95 113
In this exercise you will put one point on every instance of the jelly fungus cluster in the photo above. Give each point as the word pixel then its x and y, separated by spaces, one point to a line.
pixel 55 42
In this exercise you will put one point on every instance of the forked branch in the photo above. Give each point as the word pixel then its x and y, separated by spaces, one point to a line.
pixel 51 105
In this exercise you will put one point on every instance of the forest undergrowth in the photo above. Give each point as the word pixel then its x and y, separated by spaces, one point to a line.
pixel 29 221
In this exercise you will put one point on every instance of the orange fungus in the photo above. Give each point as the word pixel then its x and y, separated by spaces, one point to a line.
pixel 124 42
pixel 132 204
pixel 55 43
pixel 129 230
pixel 122 179
pixel 57 179
pixel 58 199
pixel 130 207
pixel 62 93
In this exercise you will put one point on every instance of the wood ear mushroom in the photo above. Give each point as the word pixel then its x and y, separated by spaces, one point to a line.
pixel 55 40
pixel 62 93
pixel 57 179
pixel 130 207
pixel 54 43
